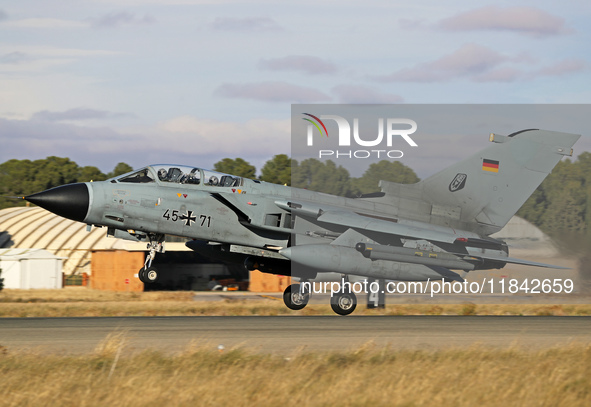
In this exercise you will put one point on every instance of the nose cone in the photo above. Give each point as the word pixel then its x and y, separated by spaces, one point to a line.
pixel 70 201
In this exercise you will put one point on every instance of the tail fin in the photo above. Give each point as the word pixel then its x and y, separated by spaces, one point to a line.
pixel 488 188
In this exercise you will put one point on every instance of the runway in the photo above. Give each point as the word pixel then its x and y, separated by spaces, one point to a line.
pixel 286 334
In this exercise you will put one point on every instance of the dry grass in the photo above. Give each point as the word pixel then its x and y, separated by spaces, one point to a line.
pixel 265 308
pixel 86 303
pixel 80 294
pixel 237 377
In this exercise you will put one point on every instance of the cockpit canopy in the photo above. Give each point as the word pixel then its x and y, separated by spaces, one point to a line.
pixel 180 174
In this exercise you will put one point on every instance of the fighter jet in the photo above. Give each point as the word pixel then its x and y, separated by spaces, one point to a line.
pixel 435 229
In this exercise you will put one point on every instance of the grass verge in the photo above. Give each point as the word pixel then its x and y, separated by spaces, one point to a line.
pixel 237 377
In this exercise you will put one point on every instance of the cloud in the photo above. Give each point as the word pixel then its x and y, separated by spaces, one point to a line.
pixel 467 61
pixel 504 74
pixel 363 94
pixel 507 74
pixel 45 23
pixel 245 24
pixel 3 15
pixel 14 58
pixel 30 58
pixel 480 64
pixel 77 114
pixel 409 24
pixel 300 63
pixel 254 137
pixel 35 139
pixel 271 92
pixel 183 140
pixel 563 67
pixel 42 51
pixel 522 20
pixel 119 18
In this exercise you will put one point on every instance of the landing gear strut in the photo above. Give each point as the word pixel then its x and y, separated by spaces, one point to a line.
pixel 149 274
pixel 295 297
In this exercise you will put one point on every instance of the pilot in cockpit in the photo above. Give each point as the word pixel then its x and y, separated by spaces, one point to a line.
pixel 162 174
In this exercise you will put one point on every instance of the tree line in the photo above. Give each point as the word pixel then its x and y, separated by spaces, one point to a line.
pixel 25 177
pixel 561 202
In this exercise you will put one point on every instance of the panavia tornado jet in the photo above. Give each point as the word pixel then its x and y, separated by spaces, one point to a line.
pixel 436 229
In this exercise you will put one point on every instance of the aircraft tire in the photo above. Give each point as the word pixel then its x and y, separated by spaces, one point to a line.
pixel 292 298
pixel 151 275
pixel 141 275
pixel 343 303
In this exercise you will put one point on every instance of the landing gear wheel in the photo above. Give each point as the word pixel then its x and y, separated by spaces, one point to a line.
pixel 293 299
pixel 142 275
pixel 151 275
pixel 343 303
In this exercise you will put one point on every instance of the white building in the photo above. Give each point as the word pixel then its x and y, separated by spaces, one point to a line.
pixel 30 268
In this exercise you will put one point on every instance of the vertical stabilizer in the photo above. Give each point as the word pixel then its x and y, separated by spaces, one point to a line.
pixel 493 184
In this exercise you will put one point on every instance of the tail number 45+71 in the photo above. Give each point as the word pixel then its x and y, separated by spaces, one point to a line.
pixel 189 218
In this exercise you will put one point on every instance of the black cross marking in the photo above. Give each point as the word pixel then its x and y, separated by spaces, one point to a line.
pixel 188 218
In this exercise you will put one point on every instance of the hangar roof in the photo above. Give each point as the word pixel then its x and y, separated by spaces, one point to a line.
pixel 40 229
pixel 19 254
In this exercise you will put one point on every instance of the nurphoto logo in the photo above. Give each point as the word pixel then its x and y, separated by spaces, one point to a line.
pixel 393 129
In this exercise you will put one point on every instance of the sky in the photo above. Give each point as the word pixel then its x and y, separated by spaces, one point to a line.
pixel 195 81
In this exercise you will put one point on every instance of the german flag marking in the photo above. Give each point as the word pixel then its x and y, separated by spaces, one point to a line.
pixel 490 165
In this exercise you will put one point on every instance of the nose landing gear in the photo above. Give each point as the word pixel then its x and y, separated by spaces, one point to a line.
pixel 149 274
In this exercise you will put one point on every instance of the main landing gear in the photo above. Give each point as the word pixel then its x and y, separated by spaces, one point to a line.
pixel 343 302
pixel 149 274
pixel 295 297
